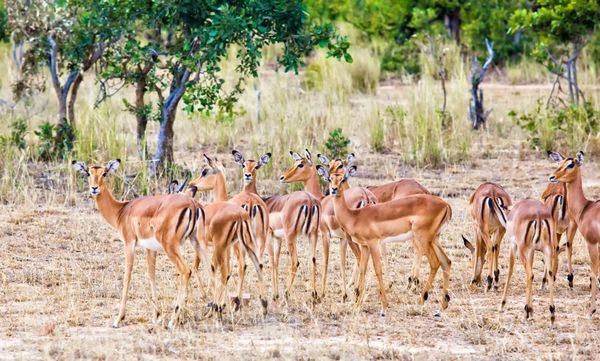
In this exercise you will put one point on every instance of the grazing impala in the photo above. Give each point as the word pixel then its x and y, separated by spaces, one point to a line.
pixel 585 213
pixel 290 216
pixel 555 198
pixel 418 217
pixel 531 228
pixel 213 179
pixel 305 171
pixel 487 205
pixel 154 223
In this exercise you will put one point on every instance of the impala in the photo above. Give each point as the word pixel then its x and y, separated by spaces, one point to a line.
pixel 305 171
pixel 487 205
pixel 531 228
pixel 155 223
pixel 555 198
pixel 419 217
pixel 290 216
pixel 585 213
pixel 213 179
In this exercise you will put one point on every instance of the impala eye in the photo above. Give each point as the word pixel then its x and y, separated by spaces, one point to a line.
pixel 571 165
pixel 301 165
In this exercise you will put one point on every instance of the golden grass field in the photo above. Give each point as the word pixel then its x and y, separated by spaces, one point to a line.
pixel 61 265
pixel 62 269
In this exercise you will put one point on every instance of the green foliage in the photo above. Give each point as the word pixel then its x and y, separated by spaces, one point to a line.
pixel 4 31
pixel 54 142
pixel 559 127
pixel 337 144
pixel 17 135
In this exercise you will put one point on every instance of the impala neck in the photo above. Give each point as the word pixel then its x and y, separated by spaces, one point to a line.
pixel 311 184
pixel 109 207
pixel 220 191
pixel 251 187
pixel 340 207
pixel 575 197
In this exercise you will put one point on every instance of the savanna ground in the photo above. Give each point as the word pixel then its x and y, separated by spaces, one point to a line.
pixel 61 264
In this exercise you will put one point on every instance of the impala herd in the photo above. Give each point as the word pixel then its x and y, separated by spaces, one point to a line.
pixel 364 218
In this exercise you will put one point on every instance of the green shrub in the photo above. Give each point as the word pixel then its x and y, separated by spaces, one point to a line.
pixel 17 135
pixel 337 144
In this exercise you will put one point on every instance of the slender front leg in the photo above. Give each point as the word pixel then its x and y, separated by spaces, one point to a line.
pixel 360 288
pixel 511 265
pixel 343 249
pixel 549 256
pixel 275 254
pixel 312 236
pixel 129 253
pixel 151 263
pixel 325 240
pixel 376 257
pixel 594 256
pixel 571 230
pixel 291 243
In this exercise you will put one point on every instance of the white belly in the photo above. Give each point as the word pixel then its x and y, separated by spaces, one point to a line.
pixel 279 233
pixel 149 243
pixel 399 238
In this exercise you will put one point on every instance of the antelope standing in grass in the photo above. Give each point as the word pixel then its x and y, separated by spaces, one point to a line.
pixel 290 216
pixel 487 206
pixel 531 228
pixel 156 223
pixel 213 179
pixel 586 213
pixel 418 217
pixel 305 171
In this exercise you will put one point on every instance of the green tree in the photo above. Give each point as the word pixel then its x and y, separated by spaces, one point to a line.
pixel 562 28
pixel 191 40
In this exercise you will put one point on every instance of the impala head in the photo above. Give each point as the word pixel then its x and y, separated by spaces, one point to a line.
pixel 175 188
pixel 336 165
pixel 301 170
pixel 208 178
pixel 96 175
pixel 336 180
pixel 250 166
pixel 568 168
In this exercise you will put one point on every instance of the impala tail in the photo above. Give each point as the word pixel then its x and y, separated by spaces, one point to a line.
pixel 309 217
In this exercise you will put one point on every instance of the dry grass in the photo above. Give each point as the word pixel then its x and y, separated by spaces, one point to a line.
pixel 62 271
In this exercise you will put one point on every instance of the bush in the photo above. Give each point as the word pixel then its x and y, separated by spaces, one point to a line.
pixel 54 142
pixel 559 127
pixel 337 144
pixel 17 135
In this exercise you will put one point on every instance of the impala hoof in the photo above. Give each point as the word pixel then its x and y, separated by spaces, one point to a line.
pixel 570 280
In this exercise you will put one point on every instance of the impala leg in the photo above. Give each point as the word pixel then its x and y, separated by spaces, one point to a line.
pixel 312 236
pixel 241 259
pixel 275 254
pixel 343 252
pixel 129 253
pixel 497 242
pixel 527 260
pixel 478 258
pixel 446 264
pixel 594 256
pixel 200 257
pixel 571 230
pixel 291 243
pixel 376 257
pixel 490 262
pixel 184 282
pixel 414 278
pixel 360 288
pixel 383 254
pixel 355 247
pixel 434 265
pixel 325 240
pixel 511 266
pixel 151 263
pixel 549 257
pixel 220 261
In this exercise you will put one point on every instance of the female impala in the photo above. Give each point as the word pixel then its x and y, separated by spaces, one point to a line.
pixel 555 198
pixel 585 213
pixel 418 217
pixel 213 179
pixel 154 223
pixel 290 216
pixel 304 171
pixel 487 206
pixel 531 228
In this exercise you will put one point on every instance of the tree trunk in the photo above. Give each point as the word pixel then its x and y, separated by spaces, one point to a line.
pixel 72 99
pixel 141 117
pixel 452 23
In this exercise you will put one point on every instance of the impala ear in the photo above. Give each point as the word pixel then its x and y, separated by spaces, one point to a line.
pixel 193 190
pixel 80 167
pixel 208 161
pixel 111 167
pixel 204 173
pixel 350 172
pixel 350 158
pixel 555 156
pixel 295 156
pixel 324 173
pixel 238 157
pixel 173 186
pixel 579 157
pixel 308 156
pixel 323 158
pixel 264 159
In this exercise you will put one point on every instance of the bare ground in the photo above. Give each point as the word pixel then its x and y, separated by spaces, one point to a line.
pixel 61 271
